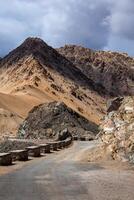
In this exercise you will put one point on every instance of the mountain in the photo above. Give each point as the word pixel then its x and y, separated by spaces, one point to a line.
pixel 35 73
pixel 111 72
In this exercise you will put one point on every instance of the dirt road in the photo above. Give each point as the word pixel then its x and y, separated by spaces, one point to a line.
pixel 62 176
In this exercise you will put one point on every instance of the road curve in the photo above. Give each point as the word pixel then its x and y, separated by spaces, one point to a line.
pixel 61 176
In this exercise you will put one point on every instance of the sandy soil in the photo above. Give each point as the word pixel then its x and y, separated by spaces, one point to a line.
pixel 14 107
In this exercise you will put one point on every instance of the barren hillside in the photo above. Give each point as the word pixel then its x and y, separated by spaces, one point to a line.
pixel 111 72
pixel 35 73
pixel 83 79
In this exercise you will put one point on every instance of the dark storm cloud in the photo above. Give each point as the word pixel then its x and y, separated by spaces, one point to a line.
pixel 121 26
pixel 122 19
pixel 92 23
pixel 79 23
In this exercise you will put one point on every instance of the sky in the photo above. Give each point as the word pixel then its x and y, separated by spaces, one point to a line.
pixel 96 24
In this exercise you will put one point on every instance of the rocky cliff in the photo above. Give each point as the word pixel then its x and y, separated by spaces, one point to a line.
pixel 111 72
pixel 117 130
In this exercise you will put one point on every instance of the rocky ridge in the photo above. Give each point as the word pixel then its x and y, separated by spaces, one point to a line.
pixel 111 72
pixel 34 55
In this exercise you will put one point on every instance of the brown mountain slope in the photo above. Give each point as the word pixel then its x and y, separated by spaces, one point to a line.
pixel 21 103
pixel 14 109
pixel 112 72
pixel 35 73
pixel 37 57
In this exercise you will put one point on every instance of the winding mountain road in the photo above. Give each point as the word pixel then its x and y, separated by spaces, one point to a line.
pixel 61 176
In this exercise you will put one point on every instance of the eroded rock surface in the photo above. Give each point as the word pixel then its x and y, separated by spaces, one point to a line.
pixel 117 131
pixel 111 72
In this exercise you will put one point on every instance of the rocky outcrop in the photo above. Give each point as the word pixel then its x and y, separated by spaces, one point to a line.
pixel 111 72
pixel 114 104
pixel 55 120
pixel 117 131
pixel 63 135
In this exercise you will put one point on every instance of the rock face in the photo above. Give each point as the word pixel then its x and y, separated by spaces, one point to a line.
pixel 111 72
pixel 117 131
pixel 51 121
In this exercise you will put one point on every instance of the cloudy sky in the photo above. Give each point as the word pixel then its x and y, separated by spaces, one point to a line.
pixel 97 24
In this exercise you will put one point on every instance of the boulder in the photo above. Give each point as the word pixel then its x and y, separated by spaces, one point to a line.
pixel 114 104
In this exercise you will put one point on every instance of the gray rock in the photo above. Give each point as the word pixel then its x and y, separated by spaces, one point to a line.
pixel 55 120
pixel 113 105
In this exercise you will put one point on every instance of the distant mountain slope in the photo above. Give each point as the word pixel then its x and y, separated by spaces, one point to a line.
pixel 112 72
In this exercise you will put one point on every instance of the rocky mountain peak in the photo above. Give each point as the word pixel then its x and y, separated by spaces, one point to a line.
pixel 33 40
pixel 44 57
pixel 32 44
